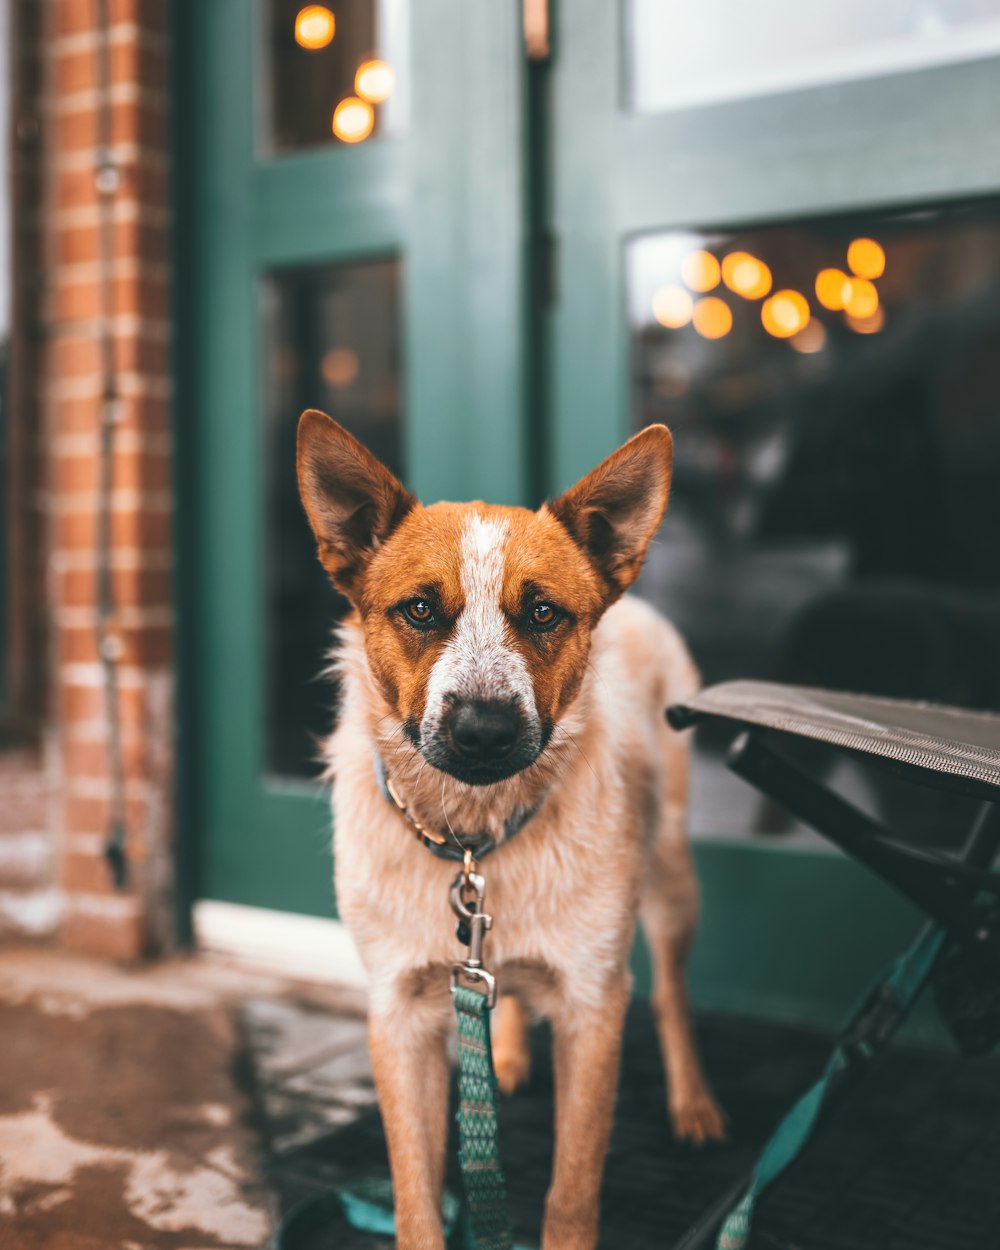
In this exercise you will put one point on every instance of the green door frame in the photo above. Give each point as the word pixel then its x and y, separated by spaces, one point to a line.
pixel 785 932
pixel 446 197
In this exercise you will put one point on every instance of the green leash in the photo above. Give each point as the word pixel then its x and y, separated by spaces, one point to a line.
pixel 483 1223
pixel 474 991
pixel 478 1152
pixel 893 996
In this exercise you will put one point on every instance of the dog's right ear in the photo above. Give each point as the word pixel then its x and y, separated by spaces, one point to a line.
pixel 352 500
pixel 615 510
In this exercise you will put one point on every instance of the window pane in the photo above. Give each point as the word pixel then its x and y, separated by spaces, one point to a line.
pixel 335 73
pixel 682 54
pixel 835 511
pixel 331 341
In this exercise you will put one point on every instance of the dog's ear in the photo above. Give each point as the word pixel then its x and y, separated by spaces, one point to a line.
pixel 352 500
pixel 615 510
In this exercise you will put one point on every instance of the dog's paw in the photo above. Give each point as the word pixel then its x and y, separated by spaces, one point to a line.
pixel 513 1069
pixel 698 1120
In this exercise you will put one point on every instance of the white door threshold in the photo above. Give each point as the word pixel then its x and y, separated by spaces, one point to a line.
pixel 307 948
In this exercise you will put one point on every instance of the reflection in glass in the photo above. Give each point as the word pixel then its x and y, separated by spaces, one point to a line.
pixel 682 54
pixel 334 71
pixel 835 510
pixel 331 341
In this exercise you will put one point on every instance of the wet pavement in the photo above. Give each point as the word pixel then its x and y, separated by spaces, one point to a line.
pixel 128 1117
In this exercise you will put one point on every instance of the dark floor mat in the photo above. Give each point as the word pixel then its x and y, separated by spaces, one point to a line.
pixel 911 1164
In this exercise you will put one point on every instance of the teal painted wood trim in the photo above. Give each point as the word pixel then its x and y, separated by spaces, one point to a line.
pixel 183 123
pixel 281 858
pixel 465 254
pixel 905 138
pixel 328 205
pixel 588 331
pixel 792 935
pixel 226 469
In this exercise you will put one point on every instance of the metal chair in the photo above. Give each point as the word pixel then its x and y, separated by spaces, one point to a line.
pixel 958 948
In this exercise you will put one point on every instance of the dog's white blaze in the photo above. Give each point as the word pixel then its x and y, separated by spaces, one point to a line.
pixel 478 662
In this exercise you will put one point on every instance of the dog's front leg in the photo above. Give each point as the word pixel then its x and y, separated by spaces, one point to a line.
pixel 587 1046
pixel 410 1063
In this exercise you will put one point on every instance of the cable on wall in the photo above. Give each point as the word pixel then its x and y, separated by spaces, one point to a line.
pixel 107 180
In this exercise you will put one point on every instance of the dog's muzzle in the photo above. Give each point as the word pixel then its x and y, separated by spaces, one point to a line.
pixel 480 741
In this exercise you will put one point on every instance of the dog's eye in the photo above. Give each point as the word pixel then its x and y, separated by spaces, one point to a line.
pixel 544 616
pixel 419 612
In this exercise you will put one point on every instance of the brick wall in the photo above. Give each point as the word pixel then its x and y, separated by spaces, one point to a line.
pixel 63 834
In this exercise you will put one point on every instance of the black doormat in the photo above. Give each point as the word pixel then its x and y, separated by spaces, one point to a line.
pixel 912 1163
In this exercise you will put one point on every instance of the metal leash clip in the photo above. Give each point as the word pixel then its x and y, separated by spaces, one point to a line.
pixel 468 891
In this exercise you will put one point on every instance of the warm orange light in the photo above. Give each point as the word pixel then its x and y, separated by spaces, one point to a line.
pixel 672 306
pixel 375 81
pixel 868 325
pixel 811 338
pixel 340 367
pixel 866 258
pixel 746 275
pixel 315 27
pixel 353 120
pixel 712 317
pixel 861 299
pixel 832 288
pixel 784 314
pixel 700 270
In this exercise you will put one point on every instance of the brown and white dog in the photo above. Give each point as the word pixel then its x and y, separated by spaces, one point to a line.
pixel 493 668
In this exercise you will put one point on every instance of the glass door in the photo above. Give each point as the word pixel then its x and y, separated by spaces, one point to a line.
pixel 358 247
pixel 778 231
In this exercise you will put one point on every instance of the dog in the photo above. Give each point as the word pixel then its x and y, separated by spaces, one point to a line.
pixel 495 682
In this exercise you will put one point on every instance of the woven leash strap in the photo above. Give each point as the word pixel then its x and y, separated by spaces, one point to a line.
pixel 902 988
pixel 478 1153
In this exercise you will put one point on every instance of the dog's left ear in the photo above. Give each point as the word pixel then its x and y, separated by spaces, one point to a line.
pixel 351 499
pixel 615 510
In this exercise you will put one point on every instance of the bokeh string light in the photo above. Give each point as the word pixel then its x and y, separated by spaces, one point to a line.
pixel 866 258
pixel 700 271
pixel 785 314
pixel 712 317
pixel 375 81
pixel 672 306
pixel 746 275
pixel 353 120
pixel 315 27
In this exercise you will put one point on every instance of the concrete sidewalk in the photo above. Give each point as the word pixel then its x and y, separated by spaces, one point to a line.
pixel 127 1104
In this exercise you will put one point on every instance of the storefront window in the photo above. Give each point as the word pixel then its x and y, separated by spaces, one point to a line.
pixel 833 390
pixel 331 341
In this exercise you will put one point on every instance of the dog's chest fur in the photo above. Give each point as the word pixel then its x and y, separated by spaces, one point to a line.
pixel 564 892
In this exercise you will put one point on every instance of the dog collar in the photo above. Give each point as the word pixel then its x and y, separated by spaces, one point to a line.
pixel 450 845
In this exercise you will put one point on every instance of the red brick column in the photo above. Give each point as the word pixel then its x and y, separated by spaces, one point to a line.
pixel 95 916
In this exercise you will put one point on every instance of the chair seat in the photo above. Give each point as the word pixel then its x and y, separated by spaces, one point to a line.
pixel 943 740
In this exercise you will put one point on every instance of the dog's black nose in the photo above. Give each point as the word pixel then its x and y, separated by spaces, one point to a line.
pixel 485 732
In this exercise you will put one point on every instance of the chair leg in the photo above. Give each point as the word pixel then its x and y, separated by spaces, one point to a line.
pixel 938 888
